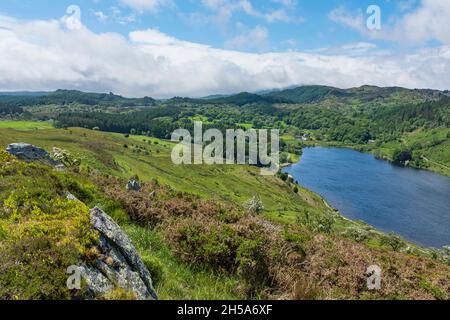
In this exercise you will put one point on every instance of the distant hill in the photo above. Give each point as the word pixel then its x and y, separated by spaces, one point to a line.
pixel 299 95
pixel 24 93
pixel 72 96
pixel 312 94
pixel 215 96
pixel 240 99
pixel 244 98
pixel 308 94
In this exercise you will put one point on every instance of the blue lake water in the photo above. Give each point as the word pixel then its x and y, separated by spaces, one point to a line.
pixel 412 203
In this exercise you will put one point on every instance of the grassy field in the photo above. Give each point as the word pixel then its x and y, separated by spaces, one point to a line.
pixel 25 125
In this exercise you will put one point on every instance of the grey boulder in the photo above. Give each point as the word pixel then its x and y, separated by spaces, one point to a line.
pixel 133 185
pixel 29 153
pixel 118 264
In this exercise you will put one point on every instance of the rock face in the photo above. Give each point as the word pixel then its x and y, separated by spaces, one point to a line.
pixel 133 185
pixel 118 262
pixel 29 153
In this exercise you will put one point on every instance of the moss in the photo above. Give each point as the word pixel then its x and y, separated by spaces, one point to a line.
pixel 119 294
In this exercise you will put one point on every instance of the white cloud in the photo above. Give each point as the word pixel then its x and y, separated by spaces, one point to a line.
pixel 277 15
pixel 353 21
pixel 256 38
pixel 45 55
pixel 352 50
pixel 225 9
pixel 428 22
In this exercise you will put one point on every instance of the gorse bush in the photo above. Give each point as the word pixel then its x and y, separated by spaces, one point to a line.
pixel 41 232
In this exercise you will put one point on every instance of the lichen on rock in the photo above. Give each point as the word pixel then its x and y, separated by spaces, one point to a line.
pixel 118 261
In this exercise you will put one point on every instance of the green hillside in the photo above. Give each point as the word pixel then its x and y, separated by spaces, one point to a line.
pixel 196 235
pixel 72 96
pixel 308 94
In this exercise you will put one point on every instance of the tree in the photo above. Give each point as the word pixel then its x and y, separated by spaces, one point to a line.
pixel 402 156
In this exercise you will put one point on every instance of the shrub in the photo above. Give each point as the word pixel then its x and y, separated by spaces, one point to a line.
pixel 247 247
pixel 254 205
pixel 394 241
pixel 5 156
pixel 401 156
pixel 35 269
pixel 252 263
pixel 322 223
pixel 205 243
pixel 357 234
pixel 446 254
pixel 284 176
pixel 65 158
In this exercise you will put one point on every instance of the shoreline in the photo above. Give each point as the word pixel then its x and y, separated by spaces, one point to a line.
pixel 362 149
pixel 410 243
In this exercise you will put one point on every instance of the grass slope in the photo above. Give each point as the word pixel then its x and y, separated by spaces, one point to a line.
pixel 326 250
pixel 150 158
pixel 124 157
pixel 25 125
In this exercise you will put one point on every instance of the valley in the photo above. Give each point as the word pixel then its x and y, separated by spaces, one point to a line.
pixel 197 236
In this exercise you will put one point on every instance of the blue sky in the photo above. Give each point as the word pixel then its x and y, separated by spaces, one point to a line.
pixel 163 48
pixel 301 25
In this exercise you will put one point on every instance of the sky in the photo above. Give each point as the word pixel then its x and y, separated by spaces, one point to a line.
pixel 165 48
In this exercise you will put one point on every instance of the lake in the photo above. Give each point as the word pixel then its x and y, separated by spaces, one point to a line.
pixel 412 203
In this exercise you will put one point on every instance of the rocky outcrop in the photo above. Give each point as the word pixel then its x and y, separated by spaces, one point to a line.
pixel 118 262
pixel 133 185
pixel 114 262
pixel 29 153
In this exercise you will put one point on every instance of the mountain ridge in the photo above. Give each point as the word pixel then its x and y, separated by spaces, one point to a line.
pixel 294 95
